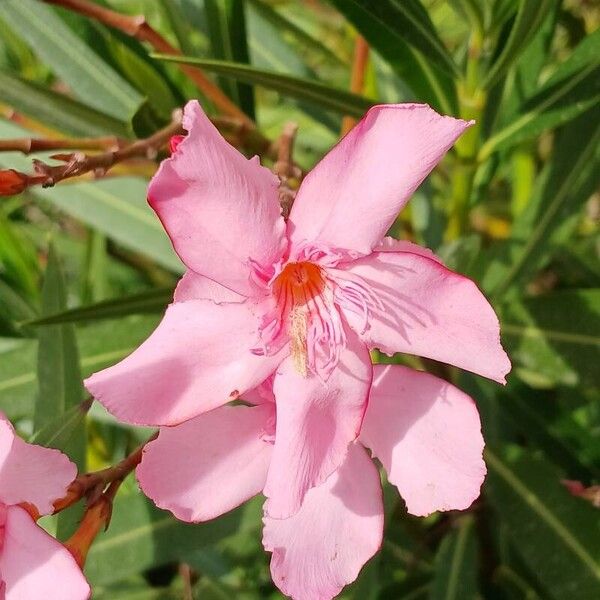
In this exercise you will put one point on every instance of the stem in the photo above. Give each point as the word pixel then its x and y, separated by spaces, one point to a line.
pixel 289 174
pixel 137 27
pixel 357 79
pixel 30 145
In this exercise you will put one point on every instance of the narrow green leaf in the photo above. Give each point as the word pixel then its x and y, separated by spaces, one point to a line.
pixel 90 78
pixel 303 89
pixel 227 32
pixel 59 432
pixel 557 535
pixel 409 21
pixel 530 15
pixel 100 345
pixel 425 78
pixel 146 302
pixel 141 536
pixel 572 89
pixel 455 576
pixel 56 110
pixel 541 339
pixel 116 207
pixel 13 309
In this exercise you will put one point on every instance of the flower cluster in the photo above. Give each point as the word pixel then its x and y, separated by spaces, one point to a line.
pixel 32 563
pixel 280 316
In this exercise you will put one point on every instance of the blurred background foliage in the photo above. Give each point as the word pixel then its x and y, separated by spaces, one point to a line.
pixel 86 269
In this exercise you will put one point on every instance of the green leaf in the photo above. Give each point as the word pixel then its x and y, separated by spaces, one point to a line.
pixel 542 340
pixel 146 302
pixel 572 89
pixel 425 78
pixel 302 89
pixel 227 32
pixel 116 207
pixel 530 15
pixel 566 182
pixel 557 535
pixel 100 345
pixel 455 576
pixel 59 432
pixel 141 536
pixel 56 110
pixel 13 309
pixel 90 78
pixel 59 377
pixel 408 21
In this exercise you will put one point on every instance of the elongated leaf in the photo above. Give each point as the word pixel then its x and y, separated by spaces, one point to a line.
pixel 227 32
pixel 117 208
pixel 59 432
pixel 572 89
pixel 59 377
pixel 455 575
pixel 90 78
pixel 427 81
pixel 303 89
pixel 13 309
pixel 100 345
pixel 57 110
pixel 564 185
pixel 530 15
pixel 541 339
pixel 141 536
pixel 557 535
pixel 146 302
pixel 406 20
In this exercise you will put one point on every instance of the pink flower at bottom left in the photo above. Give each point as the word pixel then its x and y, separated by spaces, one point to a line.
pixel 32 563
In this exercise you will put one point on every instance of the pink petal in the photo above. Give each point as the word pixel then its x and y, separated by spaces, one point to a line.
pixel 430 311
pixel 427 435
pixel 316 421
pixel 197 359
pixel 338 529
pixel 390 244
pixel 220 209
pixel 350 199
pixel 197 287
pixel 30 473
pixel 211 464
pixel 35 565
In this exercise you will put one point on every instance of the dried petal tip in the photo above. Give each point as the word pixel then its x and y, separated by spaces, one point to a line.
pixel 12 182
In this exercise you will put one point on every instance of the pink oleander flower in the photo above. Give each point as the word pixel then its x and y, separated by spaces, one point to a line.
pixel 304 300
pixel 32 563
pixel 425 432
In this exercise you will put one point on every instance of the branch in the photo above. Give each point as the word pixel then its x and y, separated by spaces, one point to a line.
pixel 289 174
pixel 138 28
pixel 30 145
pixel 357 80
pixel 77 164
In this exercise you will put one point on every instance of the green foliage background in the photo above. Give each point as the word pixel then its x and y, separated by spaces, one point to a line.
pixel 86 269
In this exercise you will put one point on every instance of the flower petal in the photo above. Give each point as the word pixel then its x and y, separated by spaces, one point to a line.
pixel 220 209
pixel 30 473
pixel 427 435
pixel 209 465
pixel 428 310
pixel 338 529
pixel 197 359
pixel 197 287
pixel 373 171
pixel 34 565
pixel 316 421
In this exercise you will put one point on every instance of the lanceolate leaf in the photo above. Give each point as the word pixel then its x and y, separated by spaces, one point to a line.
pixel 557 535
pixel 406 20
pixel 90 78
pixel 573 88
pixel 303 89
pixel 455 576
pixel 146 302
pixel 227 31
pixel 59 432
pixel 57 110
pixel 529 16
pixel 424 77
